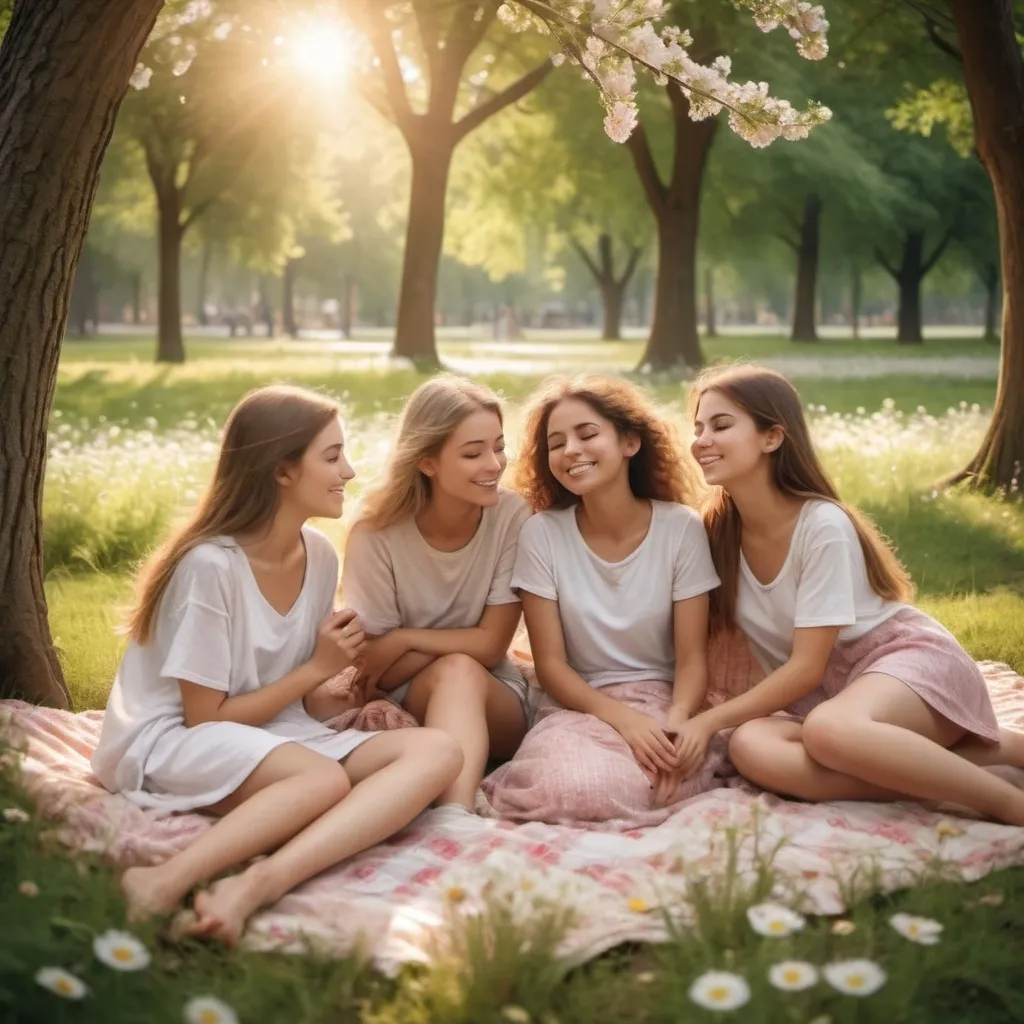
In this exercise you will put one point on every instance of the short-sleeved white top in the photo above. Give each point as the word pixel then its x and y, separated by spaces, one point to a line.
pixel 823 582
pixel 617 616
pixel 393 578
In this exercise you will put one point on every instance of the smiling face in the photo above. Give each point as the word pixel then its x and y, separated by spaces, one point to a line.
pixel 316 486
pixel 728 445
pixel 471 462
pixel 585 450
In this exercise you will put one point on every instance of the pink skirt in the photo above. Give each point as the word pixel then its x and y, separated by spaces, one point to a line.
pixel 913 648
pixel 573 769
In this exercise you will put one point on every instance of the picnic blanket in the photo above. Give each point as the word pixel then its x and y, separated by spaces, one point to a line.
pixel 392 900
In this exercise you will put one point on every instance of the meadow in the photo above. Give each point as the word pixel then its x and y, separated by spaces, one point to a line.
pixel 131 445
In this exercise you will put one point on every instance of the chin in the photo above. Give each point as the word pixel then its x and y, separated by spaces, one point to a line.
pixel 482 497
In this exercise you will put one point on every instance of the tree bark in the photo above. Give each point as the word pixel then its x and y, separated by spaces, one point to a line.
pixel 288 322
pixel 710 320
pixel 170 346
pixel 612 286
pixel 908 318
pixel 994 71
pixel 856 298
pixel 204 283
pixel 675 339
pixel 804 308
pixel 64 69
pixel 431 152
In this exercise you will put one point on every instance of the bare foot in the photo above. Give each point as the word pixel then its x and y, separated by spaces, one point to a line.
pixel 223 909
pixel 147 892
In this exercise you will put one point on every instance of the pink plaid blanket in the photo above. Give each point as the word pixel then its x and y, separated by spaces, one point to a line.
pixel 393 898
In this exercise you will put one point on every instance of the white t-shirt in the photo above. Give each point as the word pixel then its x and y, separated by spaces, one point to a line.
pixel 393 578
pixel 823 582
pixel 617 616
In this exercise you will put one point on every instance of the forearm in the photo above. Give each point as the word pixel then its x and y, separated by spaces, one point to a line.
pixel 691 685
pixel 321 704
pixel 572 691
pixel 402 670
pixel 480 644
pixel 266 703
pixel 787 684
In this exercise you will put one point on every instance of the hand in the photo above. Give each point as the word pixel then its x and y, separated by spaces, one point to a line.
pixel 381 654
pixel 340 642
pixel 652 749
pixel 692 739
pixel 678 716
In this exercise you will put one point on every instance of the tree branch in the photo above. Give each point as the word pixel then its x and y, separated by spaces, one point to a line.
pixel 783 237
pixel 939 249
pixel 640 150
pixel 585 256
pixel 429 26
pixel 516 91
pixel 635 253
pixel 370 14
pixel 882 259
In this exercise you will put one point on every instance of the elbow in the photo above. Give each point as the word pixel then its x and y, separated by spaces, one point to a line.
pixel 493 658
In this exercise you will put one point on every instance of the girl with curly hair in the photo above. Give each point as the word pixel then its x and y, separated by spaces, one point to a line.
pixel 427 566
pixel 882 703
pixel 614 574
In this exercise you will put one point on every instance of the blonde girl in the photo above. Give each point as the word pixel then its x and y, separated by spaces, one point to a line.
pixel 427 566
pixel 882 703
pixel 233 626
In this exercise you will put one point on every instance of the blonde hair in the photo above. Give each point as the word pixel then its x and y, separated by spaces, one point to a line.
pixel 659 470
pixel 771 401
pixel 430 417
pixel 269 427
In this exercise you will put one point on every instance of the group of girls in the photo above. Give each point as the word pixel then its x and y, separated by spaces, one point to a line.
pixel 236 647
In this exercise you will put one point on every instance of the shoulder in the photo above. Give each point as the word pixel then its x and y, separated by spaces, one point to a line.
pixel 825 521
pixel 679 521
pixel 317 543
pixel 512 504
pixel 542 526
pixel 364 537
pixel 211 559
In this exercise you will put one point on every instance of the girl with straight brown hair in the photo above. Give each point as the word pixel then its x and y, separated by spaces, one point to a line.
pixel 882 702
pixel 233 627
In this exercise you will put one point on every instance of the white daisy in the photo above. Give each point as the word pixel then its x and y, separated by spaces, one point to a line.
pixel 793 975
pixel 28 888
pixel 60 982
pixel 922 930
pixel 854 977
pixel 208 1010
pixel 121 950
pixel 15 815
pixel 720 990
pixel 774 920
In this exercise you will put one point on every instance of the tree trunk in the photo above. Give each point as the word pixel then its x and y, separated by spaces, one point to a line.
pixel 137 297
pixel 348 305
pixel 612 293
pixel 856 299
pixel 204 282
pixel 170 346
pixel 84 295
pixel 804 318
pixel 64 69
pixel 431 154
pixel 288 322
pixel 674 339
pixel 994 71
pixel 710 320
pixel 908 317
pixel 990 277
pixel 266 309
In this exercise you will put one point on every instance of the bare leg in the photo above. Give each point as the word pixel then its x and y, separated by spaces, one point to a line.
pixel 769 752
pixel 879 730
pixel 291 787
pixel 459 696
pixel 1009 750
pixel 395 775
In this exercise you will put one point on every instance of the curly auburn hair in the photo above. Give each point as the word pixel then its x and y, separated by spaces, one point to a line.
pixel 660 469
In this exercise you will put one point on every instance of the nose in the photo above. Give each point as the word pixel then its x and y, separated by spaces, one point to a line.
pixel 347 472
pixel 571 446
pixel 702 441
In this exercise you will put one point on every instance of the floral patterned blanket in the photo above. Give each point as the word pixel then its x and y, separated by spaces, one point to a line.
pixel 390 900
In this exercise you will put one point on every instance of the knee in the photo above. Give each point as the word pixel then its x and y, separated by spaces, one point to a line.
pixel 332 781
pixel 440 751
pixel 826 736
pixel 746 749
pixel 459 675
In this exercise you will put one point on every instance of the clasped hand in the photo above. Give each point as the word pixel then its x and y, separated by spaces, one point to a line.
pixel 340 643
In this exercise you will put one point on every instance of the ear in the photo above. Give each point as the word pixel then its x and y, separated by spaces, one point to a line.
pixel 428 467
pixel 774 438
pixel 285 475
pixel 632 445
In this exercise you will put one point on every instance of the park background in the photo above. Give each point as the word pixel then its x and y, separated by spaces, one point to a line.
pixel 354 195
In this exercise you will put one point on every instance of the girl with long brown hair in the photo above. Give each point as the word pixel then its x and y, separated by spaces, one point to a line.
pixel 614 573
pixel 882 702
pixel 233 627
pixel 427 567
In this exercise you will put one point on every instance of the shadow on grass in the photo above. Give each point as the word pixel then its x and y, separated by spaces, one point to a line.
pixel 947 553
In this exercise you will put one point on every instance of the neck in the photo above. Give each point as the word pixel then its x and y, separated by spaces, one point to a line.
pixel 613 509
pixel 445 515
pixel 760 503
pixel 278 542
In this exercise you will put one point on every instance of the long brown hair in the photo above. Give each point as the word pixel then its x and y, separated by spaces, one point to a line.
pixel 771 401
pixel 431 415
pixel 659 470
pixel 270 427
